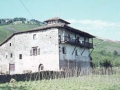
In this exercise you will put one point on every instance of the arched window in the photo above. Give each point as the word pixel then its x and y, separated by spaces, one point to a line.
pixel 34 36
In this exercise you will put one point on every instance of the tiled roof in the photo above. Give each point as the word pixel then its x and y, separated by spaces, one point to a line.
pixel 56 18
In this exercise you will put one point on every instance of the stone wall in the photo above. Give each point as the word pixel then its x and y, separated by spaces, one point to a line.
pixel 46 41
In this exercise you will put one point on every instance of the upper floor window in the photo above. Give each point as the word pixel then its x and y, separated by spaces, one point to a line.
pixel 34 36
pixel 10 44
pixel 35 51
pixel 63 50
pixel 11 55
pixel 20 56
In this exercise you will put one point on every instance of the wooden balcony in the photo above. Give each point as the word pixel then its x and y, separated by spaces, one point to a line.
pixel 76 42
pixel 88 45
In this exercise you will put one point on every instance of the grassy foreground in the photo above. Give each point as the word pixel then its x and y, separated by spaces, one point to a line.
pixel 87 82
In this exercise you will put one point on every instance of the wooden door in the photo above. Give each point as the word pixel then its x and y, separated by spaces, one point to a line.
pixel 11 68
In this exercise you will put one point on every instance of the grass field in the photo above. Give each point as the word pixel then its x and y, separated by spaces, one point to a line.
pixel 86 82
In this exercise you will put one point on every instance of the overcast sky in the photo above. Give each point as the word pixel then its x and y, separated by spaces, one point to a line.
pixel 98 17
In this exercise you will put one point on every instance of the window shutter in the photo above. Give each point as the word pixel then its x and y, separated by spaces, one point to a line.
pixel 38 51
pixel 31 53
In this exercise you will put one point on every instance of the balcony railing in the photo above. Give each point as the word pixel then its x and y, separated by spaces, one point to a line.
pixel 88 45
pixel 76 42
pixel 69 40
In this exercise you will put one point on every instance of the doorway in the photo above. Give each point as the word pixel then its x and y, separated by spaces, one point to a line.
pixel 11 68
pixel 40 68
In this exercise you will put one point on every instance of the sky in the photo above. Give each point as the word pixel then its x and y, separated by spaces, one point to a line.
pixel 97 17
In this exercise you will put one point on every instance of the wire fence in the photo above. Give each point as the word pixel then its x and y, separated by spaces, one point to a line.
pixel 58 74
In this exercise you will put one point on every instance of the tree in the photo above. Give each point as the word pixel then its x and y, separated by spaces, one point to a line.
pixel 106 63
pixel 102 52
pixel 115 53
pixel 35 21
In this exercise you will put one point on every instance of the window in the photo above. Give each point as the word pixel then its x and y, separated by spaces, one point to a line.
pixel 6 56
pixel 34 36
pixel 11 55
pixel 63 50
pixel 20 56
pixel 76 53
pixel 10 44
pixel 34 51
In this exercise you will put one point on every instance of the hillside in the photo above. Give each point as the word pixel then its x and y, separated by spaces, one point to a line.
pixel 7 30
pixel 106 52
pixel 9 26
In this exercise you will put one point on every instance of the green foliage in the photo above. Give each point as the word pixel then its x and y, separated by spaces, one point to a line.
pixel 115 53
pixel 19 19
pixel 35 21
pixel 23 20
pixel 13 82
pixel 105 53
pixel 106 63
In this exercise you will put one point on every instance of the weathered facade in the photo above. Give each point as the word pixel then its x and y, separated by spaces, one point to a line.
pixel 55 46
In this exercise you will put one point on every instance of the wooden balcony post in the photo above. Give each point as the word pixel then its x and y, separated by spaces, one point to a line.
pixel 92 42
